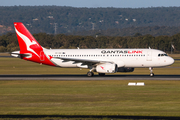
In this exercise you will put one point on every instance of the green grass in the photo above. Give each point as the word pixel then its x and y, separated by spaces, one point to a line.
pixel 175 56
pixel 5 54
pixel 156 98
pixel 19 66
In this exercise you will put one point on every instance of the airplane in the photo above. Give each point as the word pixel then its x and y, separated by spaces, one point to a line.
pixel 101 61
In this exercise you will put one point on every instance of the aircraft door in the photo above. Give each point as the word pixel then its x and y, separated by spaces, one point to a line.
pixel 42 56
pixel 149 56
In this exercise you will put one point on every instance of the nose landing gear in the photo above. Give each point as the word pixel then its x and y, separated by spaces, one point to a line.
pixel 151 72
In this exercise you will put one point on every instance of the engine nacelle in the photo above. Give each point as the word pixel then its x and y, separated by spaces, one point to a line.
pixel 106 68
pixel 122 69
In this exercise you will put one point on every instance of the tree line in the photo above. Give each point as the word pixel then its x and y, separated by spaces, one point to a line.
pixel 9 42
pixel 69 19
pixel 152 30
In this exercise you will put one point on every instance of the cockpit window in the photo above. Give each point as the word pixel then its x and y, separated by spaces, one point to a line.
pixel 160 55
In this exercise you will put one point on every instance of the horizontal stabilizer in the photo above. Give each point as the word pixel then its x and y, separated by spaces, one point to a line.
pixel 17 54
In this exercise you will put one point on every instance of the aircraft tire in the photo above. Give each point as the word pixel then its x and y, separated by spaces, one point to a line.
pixel 151 74
pixel 90 74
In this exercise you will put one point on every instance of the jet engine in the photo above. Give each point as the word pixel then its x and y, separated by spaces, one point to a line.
pixel 106 68
pixel 123 69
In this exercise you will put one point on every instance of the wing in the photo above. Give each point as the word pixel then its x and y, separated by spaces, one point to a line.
pixel 83 61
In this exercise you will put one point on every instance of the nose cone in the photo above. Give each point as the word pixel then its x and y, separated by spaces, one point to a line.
pixel 170 61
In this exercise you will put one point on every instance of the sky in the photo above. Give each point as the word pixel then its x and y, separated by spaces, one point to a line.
pixel 94 3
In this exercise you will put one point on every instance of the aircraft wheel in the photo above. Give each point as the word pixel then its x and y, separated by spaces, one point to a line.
pixel 151 74
pixel 90 74
pixel 101 74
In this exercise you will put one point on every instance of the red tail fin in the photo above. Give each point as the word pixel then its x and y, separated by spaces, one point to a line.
pixel 30 49
pixel 27 42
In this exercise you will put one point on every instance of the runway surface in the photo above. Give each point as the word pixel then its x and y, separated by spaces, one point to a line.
pixel 84 77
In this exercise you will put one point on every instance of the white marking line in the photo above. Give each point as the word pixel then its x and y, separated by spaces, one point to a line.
pixel 136 84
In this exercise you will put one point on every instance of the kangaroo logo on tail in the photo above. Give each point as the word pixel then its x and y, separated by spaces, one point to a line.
pixel 30 49
pixel 28 42
pixel 26 39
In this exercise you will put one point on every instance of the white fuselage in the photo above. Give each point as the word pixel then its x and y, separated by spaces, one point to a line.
pixel 121 57
pixel 98 60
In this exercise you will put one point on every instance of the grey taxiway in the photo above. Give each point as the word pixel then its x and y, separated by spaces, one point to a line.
pixel 84 77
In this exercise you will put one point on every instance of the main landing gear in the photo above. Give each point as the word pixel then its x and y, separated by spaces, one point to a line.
pixel 90 74
pixel 151 72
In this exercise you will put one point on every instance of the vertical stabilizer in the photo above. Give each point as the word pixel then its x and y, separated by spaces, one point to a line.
pixel 30 49
pixel 26 41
